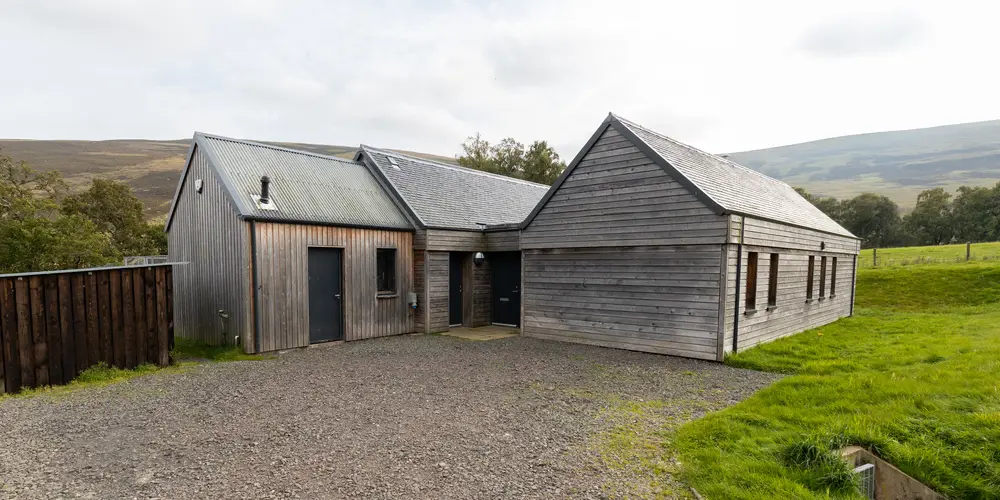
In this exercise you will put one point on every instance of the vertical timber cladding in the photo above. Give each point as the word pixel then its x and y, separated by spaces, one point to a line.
pixel 282 258
pixel 792 313
pixel 207 232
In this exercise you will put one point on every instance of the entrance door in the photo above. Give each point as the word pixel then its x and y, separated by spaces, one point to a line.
pixel 506 270
pixel 325 303
pixel 455 288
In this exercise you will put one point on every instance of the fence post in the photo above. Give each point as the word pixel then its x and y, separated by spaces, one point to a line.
pixel 968 251
pixel 874 257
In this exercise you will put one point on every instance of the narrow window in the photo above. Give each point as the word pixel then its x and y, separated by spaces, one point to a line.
pixel 772 282
pixel 809 277
pixel 386 268
pixel 833 278
pixel 822 277
pixel 751 304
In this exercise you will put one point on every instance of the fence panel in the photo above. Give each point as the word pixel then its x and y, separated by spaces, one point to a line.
pixel 56 324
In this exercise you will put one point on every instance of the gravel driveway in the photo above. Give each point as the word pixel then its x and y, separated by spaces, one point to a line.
pixel 401 417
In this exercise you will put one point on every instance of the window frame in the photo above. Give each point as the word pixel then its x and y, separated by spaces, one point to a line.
pixel 822 277
pixel 392 286
pixel 772 283
pixel 810 278
pixel 833 278
pixel 750 294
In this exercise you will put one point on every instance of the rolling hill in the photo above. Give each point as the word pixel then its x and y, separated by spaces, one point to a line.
pixel 898 164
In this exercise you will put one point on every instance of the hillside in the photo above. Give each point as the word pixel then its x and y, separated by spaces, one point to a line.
pixel 898 164
pixel 151 167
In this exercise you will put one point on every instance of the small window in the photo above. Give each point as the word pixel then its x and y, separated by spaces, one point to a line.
pixel 772 282
pixel 833 278
pixel 386 267
pixel 809 277
pixel 822 277
pixel 751 295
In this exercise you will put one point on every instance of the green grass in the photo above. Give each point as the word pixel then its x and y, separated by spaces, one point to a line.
pixel 935 254
pixel 192 349
pixel 914 376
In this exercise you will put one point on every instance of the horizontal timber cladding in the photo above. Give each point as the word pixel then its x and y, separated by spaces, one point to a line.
pixel 456 241
pixel 616 196
pixel 792 313
pixel 662 299
pixel 437 291
pixel 773 234
pixel 503 241
pixel 283 274
pixel 209 235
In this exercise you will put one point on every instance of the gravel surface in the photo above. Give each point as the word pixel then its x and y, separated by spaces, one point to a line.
pixel 402 417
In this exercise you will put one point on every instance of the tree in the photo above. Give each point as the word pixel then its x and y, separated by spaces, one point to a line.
pixel 873 218
pixel 476 154
pixel 114 210
pixel 976 213
pixel 930 222
pixel 827 204
pixel 542 164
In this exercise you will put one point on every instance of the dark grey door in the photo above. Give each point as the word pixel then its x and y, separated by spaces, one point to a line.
pixel 506 275
pixel 455 288
pixel 325 300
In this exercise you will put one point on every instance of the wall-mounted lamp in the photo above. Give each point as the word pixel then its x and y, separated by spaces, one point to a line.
pixel 478 258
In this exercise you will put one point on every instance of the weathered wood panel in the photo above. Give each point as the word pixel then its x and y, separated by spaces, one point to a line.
pixel 437 291
pixel 420 288
pixel 661 299
pixel 792 312
pixel 54 325
pixel 772 234
pixel 456 241
pixel 503 241
pixel 482 294
pixel 282 251
pixel 207 233
pixel 616 197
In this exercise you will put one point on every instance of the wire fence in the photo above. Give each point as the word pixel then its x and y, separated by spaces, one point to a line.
pixel 937 254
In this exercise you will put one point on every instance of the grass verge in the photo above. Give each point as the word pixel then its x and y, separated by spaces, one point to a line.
pixel 914 377
pixel 191 349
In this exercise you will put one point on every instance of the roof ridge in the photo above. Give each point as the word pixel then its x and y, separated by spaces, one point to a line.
pixel 459 168
pixel 695 149
pixel 273 147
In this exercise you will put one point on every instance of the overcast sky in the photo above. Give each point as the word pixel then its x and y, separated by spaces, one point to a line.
pixel 724 76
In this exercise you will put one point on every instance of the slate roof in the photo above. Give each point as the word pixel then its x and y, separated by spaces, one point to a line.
pixel 446 196
pixel 724 185
pixel 305 187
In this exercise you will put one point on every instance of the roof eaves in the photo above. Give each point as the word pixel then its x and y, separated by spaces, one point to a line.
pixel 180 186
pixel 566 173
pixel 623 128
pixel 365 158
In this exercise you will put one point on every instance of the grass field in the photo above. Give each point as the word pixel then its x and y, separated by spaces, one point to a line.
pixel 936 254
pixel 914 376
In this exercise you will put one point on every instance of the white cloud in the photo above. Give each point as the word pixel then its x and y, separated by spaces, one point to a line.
pixel 724 76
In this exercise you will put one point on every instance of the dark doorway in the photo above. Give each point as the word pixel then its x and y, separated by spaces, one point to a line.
pixel 455 303
pixel 506 269
pixel 325 304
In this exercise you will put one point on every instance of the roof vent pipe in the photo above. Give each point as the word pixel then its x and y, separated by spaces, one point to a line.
pixel 265 183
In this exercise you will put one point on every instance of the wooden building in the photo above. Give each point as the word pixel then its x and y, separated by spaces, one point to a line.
pixel 285 248
pixel 648 244
pixel 458 214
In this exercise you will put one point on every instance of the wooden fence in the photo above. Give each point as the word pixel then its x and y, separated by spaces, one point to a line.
pixel 54 325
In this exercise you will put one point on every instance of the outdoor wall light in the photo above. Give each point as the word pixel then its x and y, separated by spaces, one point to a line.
pixel 478 258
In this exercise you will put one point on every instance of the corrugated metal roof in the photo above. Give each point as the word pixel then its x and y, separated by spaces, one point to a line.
pixel 453 197
pixel 737 189
pixel 305 187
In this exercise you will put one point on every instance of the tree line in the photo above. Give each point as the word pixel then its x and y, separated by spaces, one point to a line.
pixel 538 163
pixel 971 215
pixel 44 228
